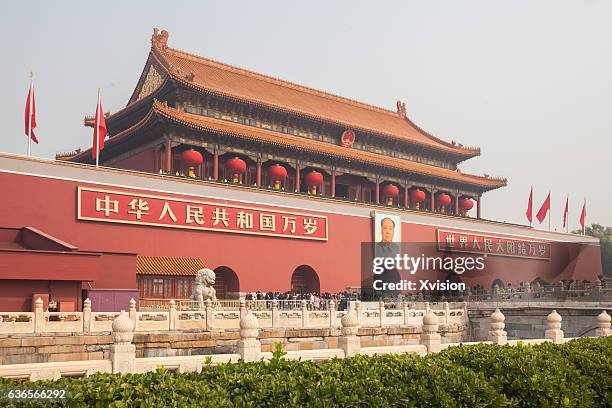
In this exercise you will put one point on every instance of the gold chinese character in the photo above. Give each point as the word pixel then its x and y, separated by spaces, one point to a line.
pixel 310 226
pixel 463 241
pixel 139 207
pixel 195 214
pixel 499 247
pixel 289 221
pixel 167 211
pixel 532 249
pixel 244 220
pixel 510 247
pixel 542 249
pixel 475 244
pixel 450 240
pixel 522 249
pixel 220 215
pixel 267 222
pixel 107 205
pixel 488 245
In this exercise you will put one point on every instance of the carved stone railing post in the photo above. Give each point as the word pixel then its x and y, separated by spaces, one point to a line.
pixel 305 319
pixel 554 332
pixel 133 311
pixel 331 307
pixel 358 311
pixel 603 325
pixel 426 306
pixel 381 313
pixel 122 351
pixel 497 334
pixel 87 316
pixel 446 312
pixel 242 307
pixel 496 291
pixel 275 315
pixel 406 308
pixel 430 337
pixel 348 341
pixel 249 347
pixel 527 288
pixel 39 316
pixel 208 307
pixel 172 315
pixel 466 316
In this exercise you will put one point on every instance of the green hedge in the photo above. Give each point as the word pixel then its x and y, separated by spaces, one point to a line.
pixel 575 374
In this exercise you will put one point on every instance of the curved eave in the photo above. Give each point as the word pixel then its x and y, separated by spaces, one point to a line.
pixel 438 145
pixel 206 124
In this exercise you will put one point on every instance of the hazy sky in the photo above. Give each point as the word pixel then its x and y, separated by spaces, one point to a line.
pixel 529 82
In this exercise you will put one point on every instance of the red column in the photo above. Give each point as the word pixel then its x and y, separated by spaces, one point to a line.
pixel 333 183
pixel 169 156
pixel 432 200
pixel 297 177
pixel 457 204
pixel 258 181
pixel 377 190
pixel 478 208
pixel 216 165
pixel 406 195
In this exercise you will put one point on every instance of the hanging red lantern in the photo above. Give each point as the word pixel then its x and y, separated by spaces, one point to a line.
pixel 443 200
pixel 277 173
pixel 467 204
pixel 390 191
pixel 236 167
pixel 313 179
pixel 191 159
pixel 417 196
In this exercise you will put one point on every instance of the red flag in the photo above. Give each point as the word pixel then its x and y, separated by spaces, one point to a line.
pixel 529 212
pixel 565 211
pixel 583 215
pixel 30 114
pixel 541 215
pixel 99 130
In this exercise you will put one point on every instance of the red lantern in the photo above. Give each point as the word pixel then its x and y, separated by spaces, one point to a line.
pixel 236 167
pixel 443 200
pixel 277 173
pixel 467 204
pixel 390 191
pixel 313 179
pixel 191 158
pixel 417 196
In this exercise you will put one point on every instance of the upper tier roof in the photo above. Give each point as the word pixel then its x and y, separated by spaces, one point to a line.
pixel 210 76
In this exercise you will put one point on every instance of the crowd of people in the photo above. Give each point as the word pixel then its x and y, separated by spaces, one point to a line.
pixel 317 301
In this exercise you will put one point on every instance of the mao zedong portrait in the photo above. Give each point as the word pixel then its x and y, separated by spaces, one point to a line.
pixel 386 247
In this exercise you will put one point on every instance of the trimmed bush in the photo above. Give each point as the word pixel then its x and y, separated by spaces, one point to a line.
pixel 575 374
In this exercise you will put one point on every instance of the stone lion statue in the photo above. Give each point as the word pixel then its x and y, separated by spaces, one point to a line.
pixel 203 288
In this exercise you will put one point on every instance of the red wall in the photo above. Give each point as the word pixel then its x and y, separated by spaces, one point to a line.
pixel 16 295
pixel 261 263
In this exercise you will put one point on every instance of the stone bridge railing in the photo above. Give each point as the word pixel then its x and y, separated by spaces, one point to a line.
pixel 123 352
pixel 211 317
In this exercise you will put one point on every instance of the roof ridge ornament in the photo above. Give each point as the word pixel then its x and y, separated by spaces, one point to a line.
pixel 160 39
pixel 401 109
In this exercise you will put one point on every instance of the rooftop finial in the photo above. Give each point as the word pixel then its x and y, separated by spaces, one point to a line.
pixel 401 109
pixel 160 39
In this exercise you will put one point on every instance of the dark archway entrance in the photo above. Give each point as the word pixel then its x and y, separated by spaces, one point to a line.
pixel 305 280
pixel 227 284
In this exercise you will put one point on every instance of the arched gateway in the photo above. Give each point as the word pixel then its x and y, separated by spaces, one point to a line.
pixel 305 280
pixel 227 284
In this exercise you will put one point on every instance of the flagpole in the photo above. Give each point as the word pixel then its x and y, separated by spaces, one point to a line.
pixel 584 223
pixel 549 210
pixel 30 100
pixel 97 131
pixel 567 215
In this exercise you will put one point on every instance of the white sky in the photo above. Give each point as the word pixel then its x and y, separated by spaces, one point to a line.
pixel 528 82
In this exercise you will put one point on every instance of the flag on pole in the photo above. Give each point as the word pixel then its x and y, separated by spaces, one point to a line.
pixel 565 211
pixel 30 115
pixel 541 215
pixel 583 216
pixel 529 212
pixel 99 131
